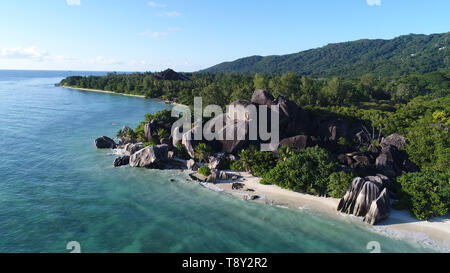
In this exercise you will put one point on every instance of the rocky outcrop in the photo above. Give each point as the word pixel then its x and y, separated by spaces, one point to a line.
pixel 198 177
pixel 237 186
pixel 331 128
pixel 394 140
pixel 293 119
pixel 368 193
pixel 105 142
pixel 385 162
pixel 347 203
pixel 241 110
pixel 262 97
pixel 150 157
pixel 121 161
pixel 299 142
pixel 385 159
pixel 216 160
pixel 125 130
pixel 192 165
pixel 125 135
pixel 361 161
pixel 176 137
pixel 393 160
pixel 131 148
pixel 150 128
pixel 189 142
pixel 379 209
pixel 368 197
pixel 212 178
pixel 237 127
pixel 222 175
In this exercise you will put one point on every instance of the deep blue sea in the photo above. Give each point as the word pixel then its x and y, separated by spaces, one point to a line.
pixel 56 187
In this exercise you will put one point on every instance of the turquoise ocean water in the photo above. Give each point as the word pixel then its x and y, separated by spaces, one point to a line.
pixel 55 187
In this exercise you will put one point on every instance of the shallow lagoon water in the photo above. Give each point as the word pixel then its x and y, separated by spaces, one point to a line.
pixel 56 187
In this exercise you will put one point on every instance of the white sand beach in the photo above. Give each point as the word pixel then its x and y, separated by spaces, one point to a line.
pixel 123 94
pixel 399 223
pixel 102 91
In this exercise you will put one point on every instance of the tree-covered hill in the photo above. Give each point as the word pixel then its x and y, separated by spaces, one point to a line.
pixel 402 55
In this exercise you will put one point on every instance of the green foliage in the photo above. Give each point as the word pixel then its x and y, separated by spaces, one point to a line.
pixel 152 142
pixel 140 134
pixel 163 115
pixel 429 146
pixel 338 183
pixel 420 108
pixel 425 194
pixel 204 170
pixel 307 171
pixel 345 143
pixel 225 164
pixel 406 54
pixel 222 89
pixel 162 134
pixel 202 152
pixel 284 152
pixel 236 166
pixel 422 121
pixel 442 117
pixel 129 135
pixel 180 152
pixel 255 161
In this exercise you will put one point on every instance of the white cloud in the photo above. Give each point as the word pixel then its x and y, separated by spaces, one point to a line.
pixel 73 2
pixel 156 5
pixel 20 52
pixel 159 34
pixel 100 60
pixel 173 29
pixel 373 2
pixel 170 14
pixel 155 34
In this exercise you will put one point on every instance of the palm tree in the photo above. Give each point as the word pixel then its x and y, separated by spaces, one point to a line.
pixel 245 160
pixel 202 152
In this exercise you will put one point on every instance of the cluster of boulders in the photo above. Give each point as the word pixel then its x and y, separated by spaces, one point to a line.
pixel 368 197
pixel 159 157
pixel 389 159
pixel 214 164
pixel 299 129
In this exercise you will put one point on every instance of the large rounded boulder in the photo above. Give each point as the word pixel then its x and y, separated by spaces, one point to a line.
pixel 299 142
pixel 150 157
pixel 262 97
pixel 105 142
pixel 395 140
pixel 368 197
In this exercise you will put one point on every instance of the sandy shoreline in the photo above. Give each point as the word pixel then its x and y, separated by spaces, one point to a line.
pixel 434 232
pixel 122 94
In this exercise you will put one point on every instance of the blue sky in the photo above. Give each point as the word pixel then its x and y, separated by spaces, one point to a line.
pixel 188 35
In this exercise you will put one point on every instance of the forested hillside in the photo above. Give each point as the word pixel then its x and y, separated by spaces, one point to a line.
pixel 403 55
pixel 222 89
